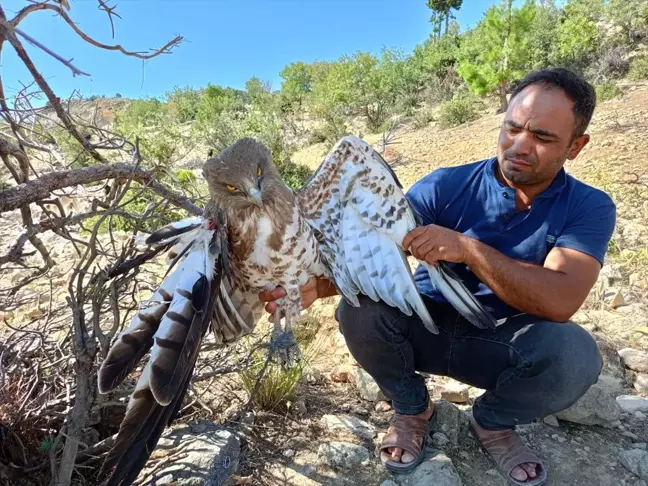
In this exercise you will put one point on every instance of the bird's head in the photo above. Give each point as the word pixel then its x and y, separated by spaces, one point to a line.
pixel 242 175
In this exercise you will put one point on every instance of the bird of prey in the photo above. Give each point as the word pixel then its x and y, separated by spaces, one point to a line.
pixel 346 224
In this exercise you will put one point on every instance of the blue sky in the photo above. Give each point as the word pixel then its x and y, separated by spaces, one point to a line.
pixel 226 41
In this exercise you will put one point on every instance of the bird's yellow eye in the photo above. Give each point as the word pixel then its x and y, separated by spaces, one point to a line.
pixel 231 188
pixel 259 171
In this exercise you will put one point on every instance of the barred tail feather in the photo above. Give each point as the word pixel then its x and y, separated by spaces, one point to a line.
pixel 137 339
pixel 182 321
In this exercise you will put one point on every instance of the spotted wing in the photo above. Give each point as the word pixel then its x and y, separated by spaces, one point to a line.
pixel 356 202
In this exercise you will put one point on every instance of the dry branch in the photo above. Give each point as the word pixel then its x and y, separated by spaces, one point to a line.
pixel 36 190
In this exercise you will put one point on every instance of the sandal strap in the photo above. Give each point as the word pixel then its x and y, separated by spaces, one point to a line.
pixel 508 450
pixel 406 432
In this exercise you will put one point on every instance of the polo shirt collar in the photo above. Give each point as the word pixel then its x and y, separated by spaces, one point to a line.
pixel 559 182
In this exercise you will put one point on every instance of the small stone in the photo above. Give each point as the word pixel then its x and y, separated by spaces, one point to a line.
pixel 634 359
pixel 492 472
pixel 382 407
pixel 640 415
pixel 641 482
pixel 455 392
pixel 34 313
pixel 614 298
pixel 299 407
pixel 367 387
pixel 562 440
pixel 440 440
pixel 629 435
pixel 632 403
pixel 314 377
pixel 340 376
pixel 389 482
pixel 350 423
pixel 289 453
pixel 307 469
pixel 616 423
pixel 343 455
pixel 552 421
pixel 641 384
pixel 358 410
pixel 635 461
pixel 640 445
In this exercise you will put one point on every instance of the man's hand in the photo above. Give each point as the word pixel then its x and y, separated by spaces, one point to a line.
pixel 310 292
pixel 432 243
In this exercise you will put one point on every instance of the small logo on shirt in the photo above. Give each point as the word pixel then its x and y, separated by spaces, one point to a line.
pixel 551 239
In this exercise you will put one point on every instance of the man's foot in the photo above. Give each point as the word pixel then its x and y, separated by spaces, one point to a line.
pixel 403 447
pixel 511 455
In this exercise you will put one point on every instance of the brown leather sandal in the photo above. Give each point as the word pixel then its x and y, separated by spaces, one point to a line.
pixel 410 433
pixel 506 457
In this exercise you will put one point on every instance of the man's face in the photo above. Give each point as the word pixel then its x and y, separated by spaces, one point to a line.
pixel 536 136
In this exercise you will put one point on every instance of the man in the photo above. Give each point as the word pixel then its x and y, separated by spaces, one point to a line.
pixel 529 241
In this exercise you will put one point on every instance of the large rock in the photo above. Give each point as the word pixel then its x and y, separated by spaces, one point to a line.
pixel 634 359
pixel 632 403
pixel 450 421
pixel 349 423
pixel 367 387
pixel 343 455
pixel 598 406
pixel 210 456
pixel 436 470
pixel 635 461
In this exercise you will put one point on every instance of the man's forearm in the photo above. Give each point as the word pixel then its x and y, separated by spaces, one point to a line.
pixel 531 288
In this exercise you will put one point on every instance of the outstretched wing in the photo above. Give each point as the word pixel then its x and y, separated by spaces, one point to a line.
pixel 172 326
pixel 356 202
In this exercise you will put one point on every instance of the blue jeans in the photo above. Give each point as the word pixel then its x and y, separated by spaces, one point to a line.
pixel 529 367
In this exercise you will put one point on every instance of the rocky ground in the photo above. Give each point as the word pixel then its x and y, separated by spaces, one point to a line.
pixel 329 432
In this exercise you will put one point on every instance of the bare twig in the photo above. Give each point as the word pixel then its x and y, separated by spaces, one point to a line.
pixel 75 71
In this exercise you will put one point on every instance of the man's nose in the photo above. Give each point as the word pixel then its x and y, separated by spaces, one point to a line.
pixel 523 143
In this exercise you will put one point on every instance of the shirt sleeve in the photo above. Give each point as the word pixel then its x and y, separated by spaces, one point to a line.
pixel 423 196
pixel 590 229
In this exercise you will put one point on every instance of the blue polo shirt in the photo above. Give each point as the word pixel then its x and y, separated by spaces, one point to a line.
pixel 469 199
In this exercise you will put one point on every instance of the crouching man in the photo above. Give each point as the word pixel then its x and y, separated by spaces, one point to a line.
pixel 528 240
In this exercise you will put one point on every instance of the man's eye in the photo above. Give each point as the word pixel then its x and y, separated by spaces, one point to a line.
pixel 231 188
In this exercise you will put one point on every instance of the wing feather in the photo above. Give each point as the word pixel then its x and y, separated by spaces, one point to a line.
pixel 356 202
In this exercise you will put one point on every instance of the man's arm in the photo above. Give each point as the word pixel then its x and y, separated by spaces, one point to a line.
pixel 554 291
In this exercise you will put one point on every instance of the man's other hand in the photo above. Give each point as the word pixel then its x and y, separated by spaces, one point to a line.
pixel 309 294
pixel 432 243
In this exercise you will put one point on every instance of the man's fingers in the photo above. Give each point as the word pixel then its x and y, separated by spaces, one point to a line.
pixel 425 248
pixel 407 241
pixel 274 294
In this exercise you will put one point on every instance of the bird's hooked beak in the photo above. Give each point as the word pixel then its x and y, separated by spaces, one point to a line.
pixel 255 196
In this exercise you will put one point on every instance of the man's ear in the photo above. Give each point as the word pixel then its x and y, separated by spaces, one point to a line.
pixel 577 145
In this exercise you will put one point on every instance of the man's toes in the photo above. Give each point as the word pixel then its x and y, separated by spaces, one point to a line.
pixel 530 469
pixel 519 474
pixel 407 457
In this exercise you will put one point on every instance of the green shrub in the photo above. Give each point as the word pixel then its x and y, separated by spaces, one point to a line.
pixel 607 91
pixel 638 69
pixel 457 111
pixel 423 118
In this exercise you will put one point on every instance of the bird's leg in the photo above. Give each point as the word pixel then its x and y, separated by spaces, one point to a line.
pixel 283 342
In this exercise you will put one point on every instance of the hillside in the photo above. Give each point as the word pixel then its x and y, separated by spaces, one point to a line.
pixel 588 445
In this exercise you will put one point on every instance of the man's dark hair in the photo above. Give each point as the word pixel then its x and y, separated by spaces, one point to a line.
pixel 575 87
